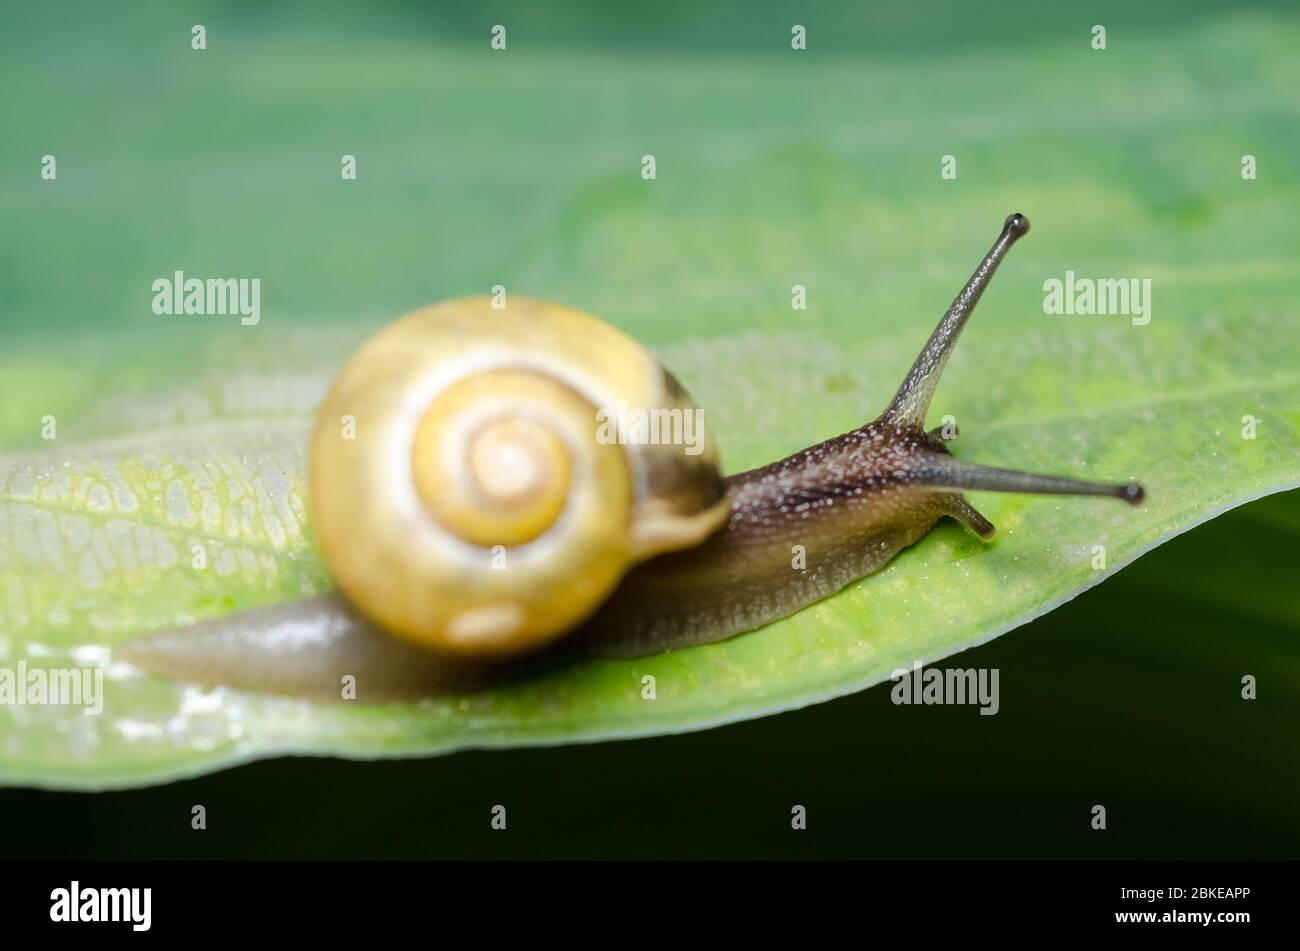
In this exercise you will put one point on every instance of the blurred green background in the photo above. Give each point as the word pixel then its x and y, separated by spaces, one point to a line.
pixel 522 168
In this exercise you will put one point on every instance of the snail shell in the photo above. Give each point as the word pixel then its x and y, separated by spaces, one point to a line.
pixel 469 486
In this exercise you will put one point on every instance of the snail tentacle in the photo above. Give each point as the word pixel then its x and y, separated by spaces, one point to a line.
pixel 912 401
pixel 939 470
pixel 966 514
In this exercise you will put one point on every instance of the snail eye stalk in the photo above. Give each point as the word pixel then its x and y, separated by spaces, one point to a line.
pixel 912 401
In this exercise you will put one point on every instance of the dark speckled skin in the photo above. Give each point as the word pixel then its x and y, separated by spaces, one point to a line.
pixel 851 502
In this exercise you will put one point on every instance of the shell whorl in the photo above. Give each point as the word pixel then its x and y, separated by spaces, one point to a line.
pixel 474 510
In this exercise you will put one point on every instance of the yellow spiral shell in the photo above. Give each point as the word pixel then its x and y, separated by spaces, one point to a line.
pixel 469 486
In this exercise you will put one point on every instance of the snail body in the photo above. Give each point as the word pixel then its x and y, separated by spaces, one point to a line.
pixel 483 442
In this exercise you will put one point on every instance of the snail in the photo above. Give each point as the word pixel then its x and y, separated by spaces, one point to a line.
pixel 478 523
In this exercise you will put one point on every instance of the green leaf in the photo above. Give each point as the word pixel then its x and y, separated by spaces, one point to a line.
pixel 179 432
